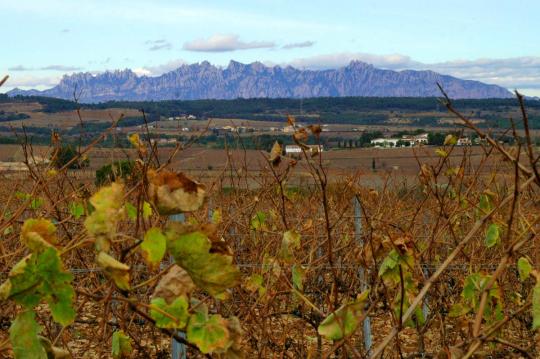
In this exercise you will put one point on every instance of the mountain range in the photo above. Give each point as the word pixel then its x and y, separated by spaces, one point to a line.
pixel 237 80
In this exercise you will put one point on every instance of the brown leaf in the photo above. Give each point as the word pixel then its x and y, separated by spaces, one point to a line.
pixel 174 284
pixel 291 120
pixel 300 135
pixel 315 129
pixel 174 192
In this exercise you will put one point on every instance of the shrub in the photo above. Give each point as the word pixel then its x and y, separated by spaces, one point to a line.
pixel 66 154
pixel 119 169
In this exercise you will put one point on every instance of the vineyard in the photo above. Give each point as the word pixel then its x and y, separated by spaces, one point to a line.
pixel 445 266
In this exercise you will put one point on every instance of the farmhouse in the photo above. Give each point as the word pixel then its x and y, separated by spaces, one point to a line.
pixel 385 142
pixel 421 139
pixel 464 141
pixel 406 140
pixel 295 150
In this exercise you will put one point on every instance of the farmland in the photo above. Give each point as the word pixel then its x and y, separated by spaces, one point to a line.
pixel 349 252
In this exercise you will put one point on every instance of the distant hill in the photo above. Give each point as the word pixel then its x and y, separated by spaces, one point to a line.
pixel 237 80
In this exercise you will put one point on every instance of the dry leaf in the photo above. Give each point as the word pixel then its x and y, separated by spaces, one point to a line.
pixel 174 192
pixel 174 284
pixel 291 120
pixel 300 135
pixel 275 154
pixel 315 129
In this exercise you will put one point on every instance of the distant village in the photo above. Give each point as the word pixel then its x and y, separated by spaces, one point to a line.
pixel 179 124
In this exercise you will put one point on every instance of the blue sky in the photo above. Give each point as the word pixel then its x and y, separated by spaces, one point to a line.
pixel 492 41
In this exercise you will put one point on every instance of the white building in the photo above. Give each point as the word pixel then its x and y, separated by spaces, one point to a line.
pixel 421 139
pixel 385 142
pixel 297 150
pixel 464 141
pixel 417 140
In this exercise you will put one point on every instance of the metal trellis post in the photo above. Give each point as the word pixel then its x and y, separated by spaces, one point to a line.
pixel 361 272
pixel 178 350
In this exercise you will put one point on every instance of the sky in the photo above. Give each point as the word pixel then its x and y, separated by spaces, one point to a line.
pixel 495 41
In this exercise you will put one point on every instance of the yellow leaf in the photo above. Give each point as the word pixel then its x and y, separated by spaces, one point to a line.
pixel 275 154
pixel 38 234
pixel 117 271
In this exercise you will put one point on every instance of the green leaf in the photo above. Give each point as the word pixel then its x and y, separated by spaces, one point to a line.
pixel 471 286
pixel 485 204
pixel 524 268
pixel 492 235
pixel 76 209
pixel 390 262
pixel 23 334
pixel 41 276
pixel 52 351
pixel 56 287
pixel 36 203
pixel 177 312
pixel 146 210
pixel 24 282
pixel 213 272
pixel 536 306
pixel 121 345
pixel 154 246
pixel 344 321
pixel 298 275
pixel 258 221
pixel 255 283
pixel 131 211
pixel 216 216
pixel 209 334
pixel 458 310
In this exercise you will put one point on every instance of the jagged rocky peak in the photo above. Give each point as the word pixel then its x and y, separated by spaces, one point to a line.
pixel 205 81
pixel 357 64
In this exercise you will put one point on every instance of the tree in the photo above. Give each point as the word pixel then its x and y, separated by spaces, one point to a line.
pixel 111 172
pixel 66 154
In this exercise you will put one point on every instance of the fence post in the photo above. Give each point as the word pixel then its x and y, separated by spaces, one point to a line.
pixel 361 272
pixel 425 307
pixel 427 273
pixel 178 350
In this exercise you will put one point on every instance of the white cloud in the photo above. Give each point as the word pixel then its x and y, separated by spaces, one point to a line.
pixel 159 69
pixel 332 61
pixel 295 45
pixel 224 43
pixel 27 81
pixel 19 68
pixel 61 68
pixel 161 44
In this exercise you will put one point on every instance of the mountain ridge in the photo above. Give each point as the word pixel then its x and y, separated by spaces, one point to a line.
pixel 256 80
